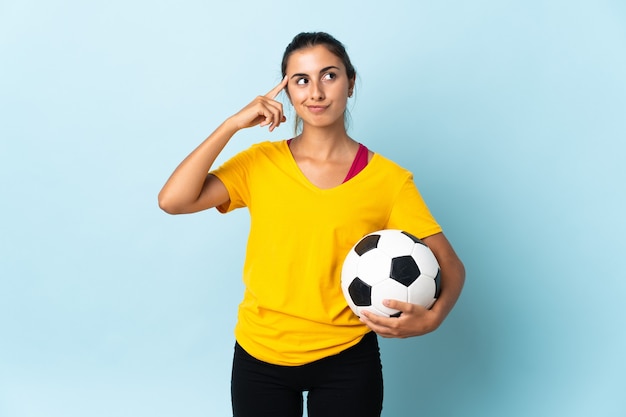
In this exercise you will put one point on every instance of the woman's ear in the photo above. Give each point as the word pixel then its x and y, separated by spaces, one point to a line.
pixel 351 86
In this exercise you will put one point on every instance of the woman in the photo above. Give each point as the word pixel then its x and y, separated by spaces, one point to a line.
pixel 310 199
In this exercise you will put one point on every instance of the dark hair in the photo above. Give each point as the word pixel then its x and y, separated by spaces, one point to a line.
pixel 310 39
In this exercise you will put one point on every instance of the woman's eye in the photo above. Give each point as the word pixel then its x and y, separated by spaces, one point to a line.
pixel 302 81
pixel 329 76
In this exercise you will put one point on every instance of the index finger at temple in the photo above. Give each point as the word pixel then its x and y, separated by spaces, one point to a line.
pixel 276 90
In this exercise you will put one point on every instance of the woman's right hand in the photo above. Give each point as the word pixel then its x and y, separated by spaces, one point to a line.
pixel 189 188
pixel 262 111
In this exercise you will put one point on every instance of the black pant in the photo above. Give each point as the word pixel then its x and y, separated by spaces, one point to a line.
pixel 344 385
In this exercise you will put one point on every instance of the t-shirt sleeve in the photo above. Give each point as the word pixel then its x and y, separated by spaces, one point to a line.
pixel 410 212
pixel 234 174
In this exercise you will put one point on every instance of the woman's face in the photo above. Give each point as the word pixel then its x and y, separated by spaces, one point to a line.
pixel 318 86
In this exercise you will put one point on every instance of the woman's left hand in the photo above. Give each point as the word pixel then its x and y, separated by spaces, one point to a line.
pixel 415 320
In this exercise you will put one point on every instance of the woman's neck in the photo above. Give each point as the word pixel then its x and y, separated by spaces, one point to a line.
pixel 323 144
pixel 323 157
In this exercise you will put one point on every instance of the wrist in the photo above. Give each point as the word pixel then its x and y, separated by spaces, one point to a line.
pixel 230 126
pixel 436 316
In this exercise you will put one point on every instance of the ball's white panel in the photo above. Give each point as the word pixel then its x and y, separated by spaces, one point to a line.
pixel 373 267
pixel 388 289
pixel 348 273
pixel 349 268
pixel 426 260
pixel 422 291
pixel 395 243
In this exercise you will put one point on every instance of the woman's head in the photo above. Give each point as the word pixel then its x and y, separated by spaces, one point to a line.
pixel 320 73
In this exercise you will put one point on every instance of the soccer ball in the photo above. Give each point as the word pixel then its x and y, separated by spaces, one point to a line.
pixel 389 264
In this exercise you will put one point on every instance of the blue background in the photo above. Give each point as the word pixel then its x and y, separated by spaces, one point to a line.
pixel 512 115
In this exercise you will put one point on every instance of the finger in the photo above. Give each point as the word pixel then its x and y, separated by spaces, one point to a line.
pixel 378 324
pixel 268 110
pixel 276 90
pixel 374 319
pixel 273 113
pixel 405 308
pixel 396 304
pixel 275 125
pixel 269 119
pixel 273 121
pixel 272 116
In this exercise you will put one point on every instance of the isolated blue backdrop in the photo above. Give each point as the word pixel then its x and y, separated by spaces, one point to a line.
pixel 512 115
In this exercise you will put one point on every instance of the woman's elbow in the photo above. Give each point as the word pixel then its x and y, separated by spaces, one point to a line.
pixel 168 205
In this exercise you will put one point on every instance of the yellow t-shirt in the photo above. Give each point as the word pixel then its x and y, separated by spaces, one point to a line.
pixel 293 310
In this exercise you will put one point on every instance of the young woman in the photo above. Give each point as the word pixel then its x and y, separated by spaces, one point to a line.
pixel 310 199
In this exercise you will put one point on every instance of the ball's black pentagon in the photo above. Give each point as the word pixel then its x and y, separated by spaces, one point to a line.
pixel 438 284
pixel 413 238
pixel 404 270
pixel 367 244
pixel 360 292
pixel 396 315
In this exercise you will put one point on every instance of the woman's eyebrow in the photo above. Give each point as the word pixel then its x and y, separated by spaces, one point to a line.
pixel 300 74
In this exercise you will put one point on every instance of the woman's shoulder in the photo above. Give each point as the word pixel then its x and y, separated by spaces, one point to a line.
pixel 263 149
pixel 384 163
pixel 269 146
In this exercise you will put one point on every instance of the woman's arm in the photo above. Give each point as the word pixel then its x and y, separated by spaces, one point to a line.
pixel 415 320
pixel 190 188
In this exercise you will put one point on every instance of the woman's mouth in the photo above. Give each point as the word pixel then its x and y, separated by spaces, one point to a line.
pixel 317 109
